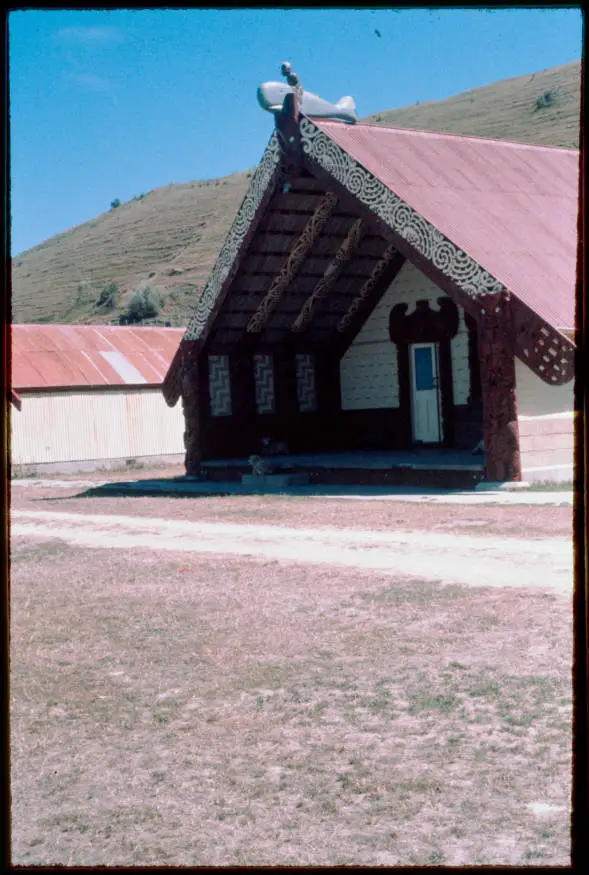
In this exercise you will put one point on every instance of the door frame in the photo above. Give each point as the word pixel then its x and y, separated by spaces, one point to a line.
pixel 435 346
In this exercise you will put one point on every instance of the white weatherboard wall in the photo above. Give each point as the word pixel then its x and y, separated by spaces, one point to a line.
pixel 74 426
pixel 546 426
pixel 369 372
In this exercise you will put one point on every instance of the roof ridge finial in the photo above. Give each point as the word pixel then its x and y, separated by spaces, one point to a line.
pixel 292 79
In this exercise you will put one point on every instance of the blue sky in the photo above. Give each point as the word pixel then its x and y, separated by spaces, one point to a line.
pixel 109 104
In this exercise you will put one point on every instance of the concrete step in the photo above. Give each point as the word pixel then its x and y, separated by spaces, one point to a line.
pixel 444 478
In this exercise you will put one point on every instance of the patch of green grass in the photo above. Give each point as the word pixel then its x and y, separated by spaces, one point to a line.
pixel 435 702
pixel 533 855
pixel 490 689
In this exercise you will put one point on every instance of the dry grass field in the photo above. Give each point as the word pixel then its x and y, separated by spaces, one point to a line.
pixel 203 709
pixel 169 238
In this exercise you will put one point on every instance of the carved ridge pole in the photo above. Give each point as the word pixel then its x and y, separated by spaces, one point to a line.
pixel 332 271
pixel 190 391
pixel 294 262
pixel 497 362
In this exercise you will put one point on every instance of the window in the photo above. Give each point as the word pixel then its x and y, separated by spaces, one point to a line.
pixel 264 380
pixel 219 385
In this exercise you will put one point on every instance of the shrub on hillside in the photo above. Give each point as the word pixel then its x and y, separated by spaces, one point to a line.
pixel 114 204
pixel 109 296
pixel 83 293
pixel 143 305
pixel 544 100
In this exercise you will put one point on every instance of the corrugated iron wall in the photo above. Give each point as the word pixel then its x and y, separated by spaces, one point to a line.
pixel 80 426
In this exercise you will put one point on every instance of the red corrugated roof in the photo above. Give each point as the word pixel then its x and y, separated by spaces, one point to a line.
pixel 512 207
pixel 60 356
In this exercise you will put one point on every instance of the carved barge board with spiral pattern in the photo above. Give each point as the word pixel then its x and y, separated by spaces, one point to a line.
pixel 551 361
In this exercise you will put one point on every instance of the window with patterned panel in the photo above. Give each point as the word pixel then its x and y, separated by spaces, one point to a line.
pixel 219 385
pixel 264 382
pixel 306 392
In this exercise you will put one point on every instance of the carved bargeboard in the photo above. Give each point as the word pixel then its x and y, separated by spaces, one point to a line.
pixel 266 170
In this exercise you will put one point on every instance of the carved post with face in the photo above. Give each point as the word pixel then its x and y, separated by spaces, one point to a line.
pixel 190 406
pixel 496 339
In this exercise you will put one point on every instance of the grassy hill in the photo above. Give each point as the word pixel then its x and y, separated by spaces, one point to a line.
pixel 168 239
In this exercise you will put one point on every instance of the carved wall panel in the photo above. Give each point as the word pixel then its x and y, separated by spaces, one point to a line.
pixel 306 390
pixel 219 385
pixel 264 380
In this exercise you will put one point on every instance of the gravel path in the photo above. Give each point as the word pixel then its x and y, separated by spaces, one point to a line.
pixel 465 559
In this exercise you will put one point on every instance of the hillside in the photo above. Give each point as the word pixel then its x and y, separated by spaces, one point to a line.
pixel 168 239
pixel 513 109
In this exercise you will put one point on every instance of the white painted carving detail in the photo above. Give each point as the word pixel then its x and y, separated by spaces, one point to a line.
pixel 264 381
pixel 260 181
pixel 399 216
pixel 305 370
pixel 219 385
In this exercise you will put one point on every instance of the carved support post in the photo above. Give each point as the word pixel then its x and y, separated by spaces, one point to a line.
pixel 190 405
pixel 497 360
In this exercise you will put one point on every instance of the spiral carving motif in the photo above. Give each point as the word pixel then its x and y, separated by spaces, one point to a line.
pixel 260 181
pixel 399 216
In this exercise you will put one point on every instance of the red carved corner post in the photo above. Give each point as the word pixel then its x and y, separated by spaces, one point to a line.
pixel 496 338
pixel 190 405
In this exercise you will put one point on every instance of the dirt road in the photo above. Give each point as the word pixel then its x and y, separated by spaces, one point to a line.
pixel 449 558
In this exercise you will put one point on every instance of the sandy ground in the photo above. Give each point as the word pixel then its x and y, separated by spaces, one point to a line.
pixel 271 680
pixel 447 558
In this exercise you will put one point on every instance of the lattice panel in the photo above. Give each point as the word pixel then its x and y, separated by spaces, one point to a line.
pixel 306 391
pixel 547 352
pixel 264 381
pixel 219 385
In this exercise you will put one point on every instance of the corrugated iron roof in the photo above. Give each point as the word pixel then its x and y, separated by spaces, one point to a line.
pixel 64 356
pixel 512 207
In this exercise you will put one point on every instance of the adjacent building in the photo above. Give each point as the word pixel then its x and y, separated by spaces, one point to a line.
pixel 89 396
